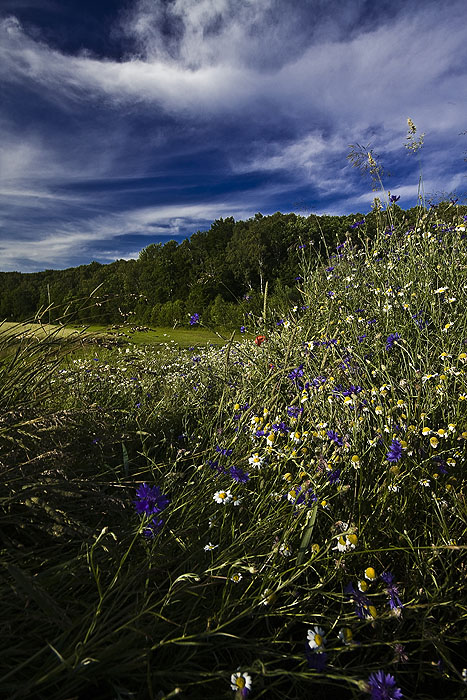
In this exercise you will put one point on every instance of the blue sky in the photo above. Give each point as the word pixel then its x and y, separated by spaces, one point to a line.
pixel 124 123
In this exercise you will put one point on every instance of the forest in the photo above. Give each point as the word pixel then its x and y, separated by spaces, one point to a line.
pixel 220 273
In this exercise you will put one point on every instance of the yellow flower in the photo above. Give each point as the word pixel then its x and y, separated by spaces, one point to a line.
pixel 434 442
pixel 370 574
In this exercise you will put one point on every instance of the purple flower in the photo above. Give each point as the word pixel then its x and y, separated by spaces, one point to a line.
pixel 391 339
pixel 362 603
pixel 150 500
pixel 395 451
pixel 294 411
pixel 238 475
pixel 395 602
pixel 242 329
pixel 296 373
pixel 383 686
pixel 334 477
pixel 315 659
pixel 357 223
pixel 153 527
pixel 194 319
pixel 332 435
pixel 281 428
pixel 393 198
pixel 224 451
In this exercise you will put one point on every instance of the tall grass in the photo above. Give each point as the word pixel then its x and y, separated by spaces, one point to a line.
pixel 314 530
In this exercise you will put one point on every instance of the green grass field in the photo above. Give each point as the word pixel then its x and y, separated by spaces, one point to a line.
pixel 182 337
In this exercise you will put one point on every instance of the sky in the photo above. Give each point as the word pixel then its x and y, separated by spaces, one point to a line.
pixel 130 122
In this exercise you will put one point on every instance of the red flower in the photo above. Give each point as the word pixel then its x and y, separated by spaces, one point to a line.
pixel 259 339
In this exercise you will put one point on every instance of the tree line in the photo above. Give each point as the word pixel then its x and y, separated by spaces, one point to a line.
pixel 220 273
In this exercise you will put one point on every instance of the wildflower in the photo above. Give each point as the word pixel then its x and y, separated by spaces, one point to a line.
pixel 315 659
pixel 153 527
pixel 332 435
pixel 362 604
pixel 150 500
pixel 236 578
pixel 209 547
pixel 241 682
pixel 383 686
pixel 223 497
pixel 223 451
pixel 194 319
pixel 400 655
pixel 434 442
pixel 345 635
pixel 259 340
pixel 285 549
pixel 424 482
pixel 316 638
pixel 395 451
pixel 346 543
pixel 391 339
pixel 242 329
pixel 370 574
pixel 238 475
pixel 392 591
pixel 296 373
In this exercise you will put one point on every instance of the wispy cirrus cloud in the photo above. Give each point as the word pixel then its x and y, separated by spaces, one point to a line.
pixel 211 103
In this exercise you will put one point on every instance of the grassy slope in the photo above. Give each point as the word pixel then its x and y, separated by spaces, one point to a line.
pixel 95 608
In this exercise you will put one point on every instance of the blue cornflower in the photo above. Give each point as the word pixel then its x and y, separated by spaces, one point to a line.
pixel 315 659
pixel 224 451
pixel 238 475
pixel 355 225
pixel 395 602
pixel 150 500
pixel 214 464
pixel 362 603
pixel 281 428
pixel 242 329
pixel 299 494
pixel 393 198
pixel 383 686
pixel 296 373
pixel 294 411
pixel 391 339
pixel 361 338
pixel 153 527
pixel 334 476
pixel 395 451
pixel 332 435
pixel 194 319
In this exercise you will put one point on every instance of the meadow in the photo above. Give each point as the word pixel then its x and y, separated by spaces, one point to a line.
pixel 275 518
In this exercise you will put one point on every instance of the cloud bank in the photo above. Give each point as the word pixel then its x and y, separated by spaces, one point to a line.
pixel 209 108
